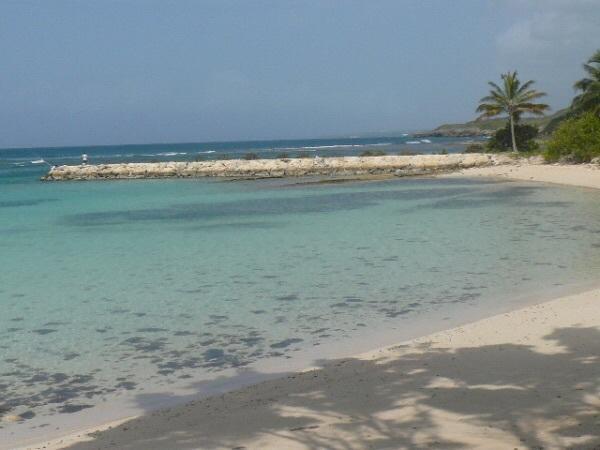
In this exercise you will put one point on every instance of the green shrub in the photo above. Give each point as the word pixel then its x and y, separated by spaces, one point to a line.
pixel 373 153
pixel 576 140
pixel 249 156
pixel 408 153
pixel 501 141
pixel 283 156
pixel 475 148
pixel 304 155
pixel 443 151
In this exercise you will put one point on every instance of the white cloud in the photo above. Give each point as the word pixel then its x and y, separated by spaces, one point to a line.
pixel 553 26
pixel 548 41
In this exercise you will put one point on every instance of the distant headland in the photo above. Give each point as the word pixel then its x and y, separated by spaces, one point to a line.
pixel 487 127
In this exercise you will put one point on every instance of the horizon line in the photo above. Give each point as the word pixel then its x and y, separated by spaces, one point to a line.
pixel 355 136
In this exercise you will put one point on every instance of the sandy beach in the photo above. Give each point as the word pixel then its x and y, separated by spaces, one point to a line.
pixel 525 379
pixel 584 175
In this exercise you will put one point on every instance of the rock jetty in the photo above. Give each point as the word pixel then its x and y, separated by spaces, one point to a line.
pixel 272 168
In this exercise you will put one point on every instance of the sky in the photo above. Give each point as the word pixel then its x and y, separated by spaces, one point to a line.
pixel 147 71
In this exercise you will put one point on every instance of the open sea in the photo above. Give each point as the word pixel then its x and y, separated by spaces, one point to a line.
pixel 122 296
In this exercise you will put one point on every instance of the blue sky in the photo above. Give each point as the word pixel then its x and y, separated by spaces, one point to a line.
pixel 141 71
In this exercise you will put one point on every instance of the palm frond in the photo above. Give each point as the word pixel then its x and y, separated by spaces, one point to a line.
pixel 583 84
pixel 537 109
pixel 511 97
pixel 589 98
pixel 531 95
pixel 525 86
pixel 595 58
pixel 495 87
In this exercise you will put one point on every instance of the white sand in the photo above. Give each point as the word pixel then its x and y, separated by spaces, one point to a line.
pixel 584 175
pixel 525 379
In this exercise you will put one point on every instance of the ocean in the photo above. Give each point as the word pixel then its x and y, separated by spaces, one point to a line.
pixel 122 296
pixel 41 157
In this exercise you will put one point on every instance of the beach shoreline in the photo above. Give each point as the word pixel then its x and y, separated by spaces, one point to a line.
pixel 229 381
pixel 243 418
pixel 586 176
pixel 580 175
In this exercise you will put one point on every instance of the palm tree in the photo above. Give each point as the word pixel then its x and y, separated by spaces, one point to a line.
pixel 514 99
pixel 589 99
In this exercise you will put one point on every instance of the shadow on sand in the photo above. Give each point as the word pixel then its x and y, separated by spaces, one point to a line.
pixel 500 396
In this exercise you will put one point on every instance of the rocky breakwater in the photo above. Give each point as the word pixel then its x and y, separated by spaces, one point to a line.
pixel 293 167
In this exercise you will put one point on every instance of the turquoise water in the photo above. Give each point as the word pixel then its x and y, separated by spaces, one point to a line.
pixel 114 289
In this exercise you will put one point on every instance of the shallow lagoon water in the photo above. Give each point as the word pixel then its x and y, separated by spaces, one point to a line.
pixel 126 288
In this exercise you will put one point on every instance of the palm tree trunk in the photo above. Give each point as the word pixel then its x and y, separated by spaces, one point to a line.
pixel 512 133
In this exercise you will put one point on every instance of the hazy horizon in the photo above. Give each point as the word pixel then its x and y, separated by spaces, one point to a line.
pixel 357 135
pixel 142 72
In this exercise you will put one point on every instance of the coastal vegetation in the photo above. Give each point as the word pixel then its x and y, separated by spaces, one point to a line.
pixel 569 135
pixel 475 147
pixel 524 135
pixel 575 140
pixel 589 98
pixel 373 153
pixel 513 99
